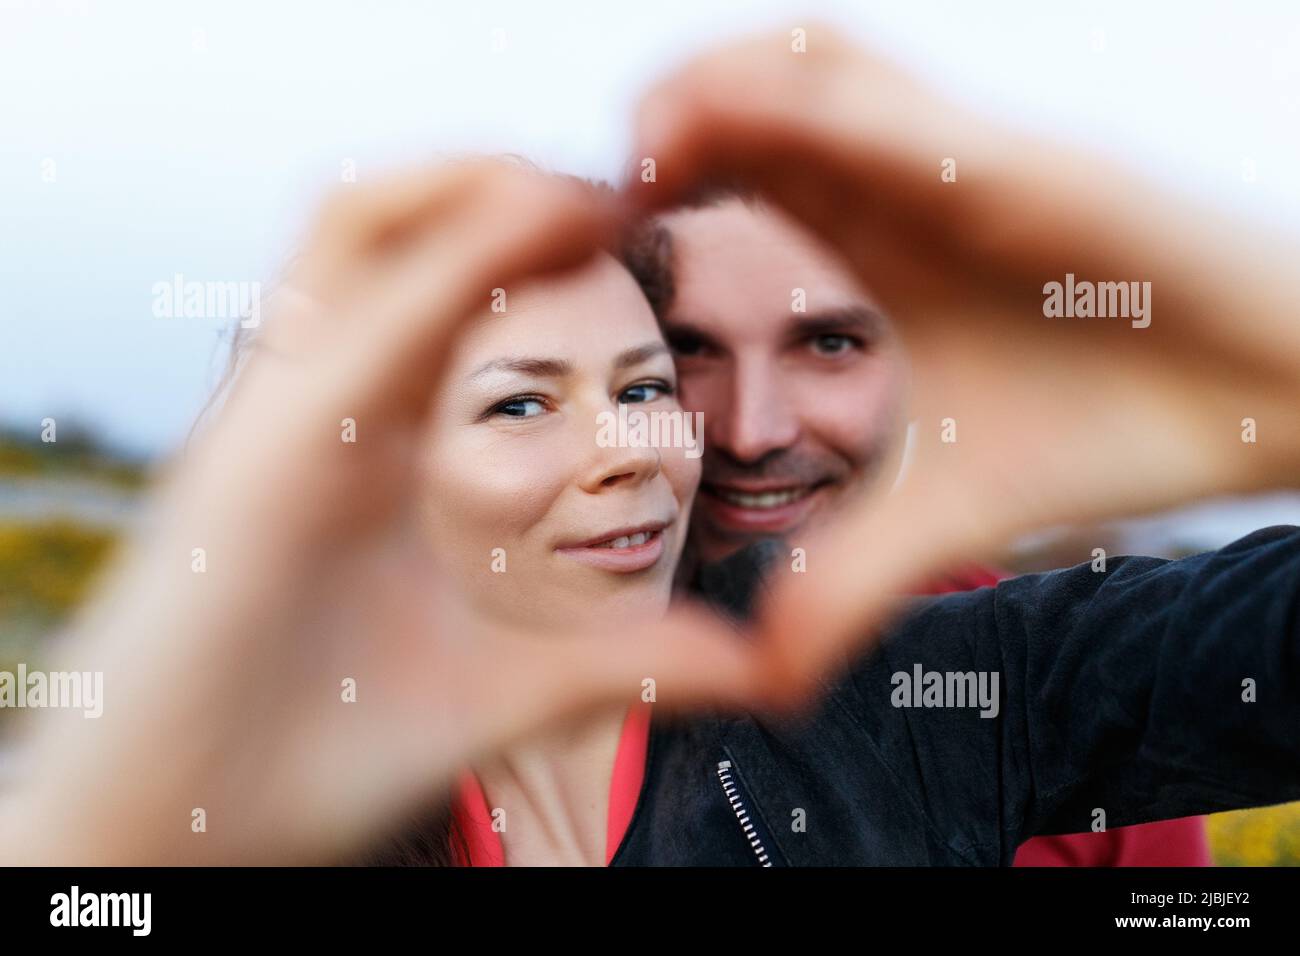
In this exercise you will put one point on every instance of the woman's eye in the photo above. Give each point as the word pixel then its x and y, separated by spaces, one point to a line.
pixel 831 344
pixel 521 408
pixel 644 392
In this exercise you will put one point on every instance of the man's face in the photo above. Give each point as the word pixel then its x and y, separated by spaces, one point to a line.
pixel 800 407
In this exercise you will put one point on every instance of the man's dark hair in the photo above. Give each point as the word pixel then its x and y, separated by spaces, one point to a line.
pixel 647 248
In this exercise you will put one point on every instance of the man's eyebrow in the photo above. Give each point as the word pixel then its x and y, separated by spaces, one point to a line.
pixel 684 328
pixel 862 319
pixel 541 367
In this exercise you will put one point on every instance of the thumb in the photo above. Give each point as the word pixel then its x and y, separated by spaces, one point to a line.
pixel 689 660
pixel 859 574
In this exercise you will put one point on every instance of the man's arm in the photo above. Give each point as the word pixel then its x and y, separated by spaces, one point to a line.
pixel 1155 689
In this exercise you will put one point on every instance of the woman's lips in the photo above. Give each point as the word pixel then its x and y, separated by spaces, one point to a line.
pixel 768 511
pixel 623 553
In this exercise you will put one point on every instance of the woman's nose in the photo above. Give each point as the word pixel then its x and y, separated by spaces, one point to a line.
pixel 620 456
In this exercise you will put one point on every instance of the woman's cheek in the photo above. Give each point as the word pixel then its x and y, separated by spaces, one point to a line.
pixel 483 497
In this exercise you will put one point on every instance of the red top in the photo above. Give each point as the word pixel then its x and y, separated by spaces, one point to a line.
pixel 1168 843
pixel 474 820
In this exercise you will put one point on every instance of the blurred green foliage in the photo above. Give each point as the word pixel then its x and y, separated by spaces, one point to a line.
pixel 45 569
pixel 1267 836
pixel 76 454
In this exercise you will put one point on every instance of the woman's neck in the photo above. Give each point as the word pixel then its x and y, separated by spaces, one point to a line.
pixel 554 789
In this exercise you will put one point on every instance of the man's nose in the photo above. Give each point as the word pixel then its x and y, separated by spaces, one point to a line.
pixel 760 417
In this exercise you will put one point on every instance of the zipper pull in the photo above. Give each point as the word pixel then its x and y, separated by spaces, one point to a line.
pixel 735 796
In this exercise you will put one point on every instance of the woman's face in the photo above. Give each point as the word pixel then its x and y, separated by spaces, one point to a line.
pixel 536 521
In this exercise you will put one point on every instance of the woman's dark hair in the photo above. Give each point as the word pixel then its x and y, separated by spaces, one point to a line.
pixel 431 838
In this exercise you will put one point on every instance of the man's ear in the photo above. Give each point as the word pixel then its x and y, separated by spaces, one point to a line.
pixel 904 456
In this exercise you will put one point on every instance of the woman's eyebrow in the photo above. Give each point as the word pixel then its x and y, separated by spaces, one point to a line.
pixel 558 368
pixel 635 356
pixel 541 367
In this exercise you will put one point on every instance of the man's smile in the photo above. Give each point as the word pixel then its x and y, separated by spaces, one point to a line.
pixel 767 508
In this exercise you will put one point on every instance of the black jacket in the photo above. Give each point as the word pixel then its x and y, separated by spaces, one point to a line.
pixel 1120 692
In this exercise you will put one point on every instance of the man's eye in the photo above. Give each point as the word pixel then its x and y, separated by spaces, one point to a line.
pixel 644 392
pixel 685 344
pixel 832 344
pixel 520 408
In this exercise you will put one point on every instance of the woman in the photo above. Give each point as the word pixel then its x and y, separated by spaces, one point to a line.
pixel 541 525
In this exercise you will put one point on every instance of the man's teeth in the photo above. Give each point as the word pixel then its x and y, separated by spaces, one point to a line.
pixel 766 499
pixel 628 540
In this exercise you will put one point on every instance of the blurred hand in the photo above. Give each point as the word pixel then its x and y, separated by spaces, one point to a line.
pixel 1056 419
pixel 224 689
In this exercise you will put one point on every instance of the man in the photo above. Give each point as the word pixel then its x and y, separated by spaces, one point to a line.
pixel 801 384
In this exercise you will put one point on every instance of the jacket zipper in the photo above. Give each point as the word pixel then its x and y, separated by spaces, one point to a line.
pixel 731 788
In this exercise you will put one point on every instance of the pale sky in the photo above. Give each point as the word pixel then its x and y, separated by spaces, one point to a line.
pixel 194 138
